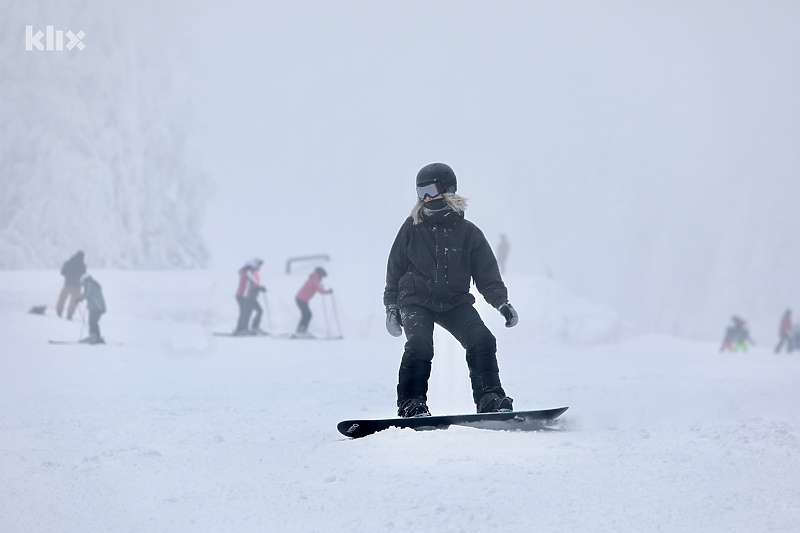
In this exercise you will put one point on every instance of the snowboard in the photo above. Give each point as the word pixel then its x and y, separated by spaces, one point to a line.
pixel 506 420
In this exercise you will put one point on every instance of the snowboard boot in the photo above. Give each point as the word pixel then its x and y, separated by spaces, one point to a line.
pixel 494 403
pixel 412 408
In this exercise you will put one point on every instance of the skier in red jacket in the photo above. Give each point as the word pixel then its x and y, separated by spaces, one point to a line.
pixel 312 286
pixel 247 298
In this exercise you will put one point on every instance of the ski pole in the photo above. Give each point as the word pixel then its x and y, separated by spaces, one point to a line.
pixel 336 315
pixel 83 320
pixel 325 314
pixel 266 311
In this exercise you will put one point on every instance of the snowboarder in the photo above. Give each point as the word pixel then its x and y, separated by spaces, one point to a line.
pixel 312 286
pixel 785 332
pixel 72 270
pixel 247 297
pixel 96 304
pixel 434 258
pixel 737 336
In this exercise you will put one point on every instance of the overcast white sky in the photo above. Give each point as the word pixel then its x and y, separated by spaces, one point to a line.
pixel 646 153
pixel 632 147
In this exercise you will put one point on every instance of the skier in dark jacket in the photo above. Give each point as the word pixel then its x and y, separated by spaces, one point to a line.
pixel 72 270
pixel 436 255
pixel 96 304
pixel 737 336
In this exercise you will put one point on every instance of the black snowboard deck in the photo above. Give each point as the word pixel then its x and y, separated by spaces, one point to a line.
pixel 505 421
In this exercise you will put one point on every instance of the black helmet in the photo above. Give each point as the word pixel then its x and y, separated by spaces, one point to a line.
pixel 320 272
pixel 438 173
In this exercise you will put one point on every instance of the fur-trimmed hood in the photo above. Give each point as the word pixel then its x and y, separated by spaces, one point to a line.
pixel 454 201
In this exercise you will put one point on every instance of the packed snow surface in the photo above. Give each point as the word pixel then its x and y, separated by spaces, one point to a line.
pixel 169 428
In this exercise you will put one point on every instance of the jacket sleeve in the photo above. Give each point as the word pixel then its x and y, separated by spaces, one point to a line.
pixel 485 271
pixel 397 264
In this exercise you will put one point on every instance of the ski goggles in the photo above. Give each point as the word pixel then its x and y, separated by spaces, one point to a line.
pixel 432 189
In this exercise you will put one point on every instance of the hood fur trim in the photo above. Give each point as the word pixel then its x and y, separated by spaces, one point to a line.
pixel 456 202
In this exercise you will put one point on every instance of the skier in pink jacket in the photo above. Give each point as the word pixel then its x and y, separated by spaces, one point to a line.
pixel 312 286
pixel 247 297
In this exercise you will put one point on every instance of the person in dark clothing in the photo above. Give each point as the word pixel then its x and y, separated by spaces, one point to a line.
pixel 312 286
pixel 247 297
pixel 73 269
pixel 436 255
pixel 96 304
pixel 737 336
pixel 785 332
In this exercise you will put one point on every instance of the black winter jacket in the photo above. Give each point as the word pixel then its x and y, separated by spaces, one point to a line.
pixel 93 294
pixel 73 269
pixel 435 257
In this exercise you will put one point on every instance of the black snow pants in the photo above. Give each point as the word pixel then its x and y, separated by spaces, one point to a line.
pixel 248 306
pixel 465 324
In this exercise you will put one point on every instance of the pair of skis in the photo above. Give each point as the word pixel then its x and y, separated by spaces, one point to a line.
pixel 51 341
pixel 289 336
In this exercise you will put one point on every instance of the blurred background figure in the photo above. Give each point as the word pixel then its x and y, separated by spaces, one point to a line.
pixel 247 297
pixel 73 270
pixel 785 332
pixel 312 286
pixel 737 336
pixel 96 304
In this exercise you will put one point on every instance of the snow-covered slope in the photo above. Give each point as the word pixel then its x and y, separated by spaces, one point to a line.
pixel 176 430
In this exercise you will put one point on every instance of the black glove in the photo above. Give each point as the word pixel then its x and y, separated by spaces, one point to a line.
pixel 393 323
pixel 510 314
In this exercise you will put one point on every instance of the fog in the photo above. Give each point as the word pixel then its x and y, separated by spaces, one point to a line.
pixel 644 155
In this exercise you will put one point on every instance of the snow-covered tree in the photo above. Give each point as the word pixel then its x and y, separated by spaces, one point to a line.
pixel 95 152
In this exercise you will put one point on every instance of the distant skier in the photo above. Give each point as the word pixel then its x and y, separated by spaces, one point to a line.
pixel 737 336
pixel 785 332
pixel 434 258
pixel 312 286
pixel 247 297
pixel 96 304
pixel 502 252
pixel 72 270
